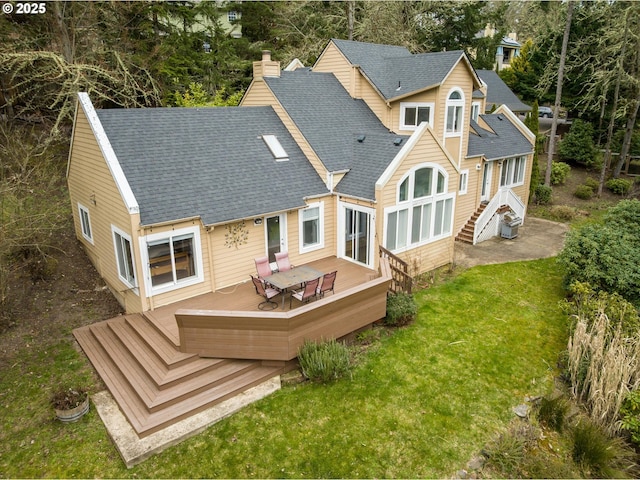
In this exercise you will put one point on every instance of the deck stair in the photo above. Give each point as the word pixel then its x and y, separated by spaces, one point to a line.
pixel 154 383
pixel 467 232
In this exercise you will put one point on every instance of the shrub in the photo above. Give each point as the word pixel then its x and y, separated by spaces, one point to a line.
pixel 552 412
pixel 619 186
pixel 559 173
pixel 592 183
pixel 324 361
pixel 578 146
pixel 630 415
pixel 584 192
pixel 401 309
pixel 543 194
pixel 562 212
pixel 607 255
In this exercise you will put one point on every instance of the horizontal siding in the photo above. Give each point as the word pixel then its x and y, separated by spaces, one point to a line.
pixel 434 254
pixel 333 61
pixel 192 290
pixel 233 265
pixel 430 96
pixel 89 177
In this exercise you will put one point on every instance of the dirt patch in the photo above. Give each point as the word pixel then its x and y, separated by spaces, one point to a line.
pixel 46 311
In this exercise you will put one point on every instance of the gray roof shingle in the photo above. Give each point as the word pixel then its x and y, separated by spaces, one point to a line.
pixel 505 140
pixel 331 121
pixel 498 93
pixel 394 70
pixel 208 162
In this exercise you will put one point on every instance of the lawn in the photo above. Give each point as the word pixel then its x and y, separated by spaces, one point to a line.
pixel 421 402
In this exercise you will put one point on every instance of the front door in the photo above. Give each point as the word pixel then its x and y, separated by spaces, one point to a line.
pixel 487 171
pixel 356 234
pixel 276 236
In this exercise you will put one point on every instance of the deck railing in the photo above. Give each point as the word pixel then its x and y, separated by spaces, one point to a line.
pixel 277 336
pixel 401 281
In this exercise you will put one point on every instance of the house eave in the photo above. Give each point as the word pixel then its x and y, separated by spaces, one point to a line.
pixel 108 153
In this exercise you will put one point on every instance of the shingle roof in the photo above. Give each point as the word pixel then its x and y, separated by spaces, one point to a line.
pixel 207 162
pixel 498 93
pixel 502 141
pixel 389 67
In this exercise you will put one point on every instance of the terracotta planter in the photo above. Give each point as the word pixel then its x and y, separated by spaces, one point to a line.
pixel 73 414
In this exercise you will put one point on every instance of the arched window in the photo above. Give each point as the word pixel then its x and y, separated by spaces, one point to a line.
pixel 423 211
pixel 455 110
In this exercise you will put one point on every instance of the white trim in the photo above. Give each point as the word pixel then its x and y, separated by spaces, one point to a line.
pixel 461 118
pixel 320 244
pixel 475 106
pixel 109 155
pixel 342 206
pixel 282 222
pixel 167 235
pixel 406 149
pixel 81 209
pixel 522 170
pixel 408 206
pixel 405 105
pixel 463 186
pixel 115 230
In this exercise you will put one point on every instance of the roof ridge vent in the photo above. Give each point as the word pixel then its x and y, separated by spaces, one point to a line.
pixel 276 148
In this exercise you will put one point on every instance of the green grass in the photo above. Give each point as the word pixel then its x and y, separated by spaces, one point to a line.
pixel 421 402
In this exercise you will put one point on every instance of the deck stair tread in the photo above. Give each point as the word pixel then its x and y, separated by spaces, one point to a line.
pixel 118 354
pixel 148 391
pixel 157 341
pixel 162 374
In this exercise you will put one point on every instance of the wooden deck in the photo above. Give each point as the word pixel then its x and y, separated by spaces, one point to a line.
pixel 155 384
pixel 243 297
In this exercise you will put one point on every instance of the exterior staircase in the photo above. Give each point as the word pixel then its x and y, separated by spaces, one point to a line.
pixel 466 234
pixel 156 385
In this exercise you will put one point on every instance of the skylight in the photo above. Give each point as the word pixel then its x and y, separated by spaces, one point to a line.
pixel 276 148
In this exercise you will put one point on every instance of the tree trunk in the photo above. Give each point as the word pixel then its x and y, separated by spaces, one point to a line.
pixel 626 143
pixel 607 149
pixel 351 7
pixel 556 107
pixel 67 43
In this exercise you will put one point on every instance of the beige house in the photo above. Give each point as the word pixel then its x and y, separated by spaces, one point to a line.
pixel 371 147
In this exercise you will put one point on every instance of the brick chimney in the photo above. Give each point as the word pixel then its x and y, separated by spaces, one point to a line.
pixel 266 67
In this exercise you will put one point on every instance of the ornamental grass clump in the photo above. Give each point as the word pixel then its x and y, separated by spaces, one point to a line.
pixel 324 361
pixel 552 412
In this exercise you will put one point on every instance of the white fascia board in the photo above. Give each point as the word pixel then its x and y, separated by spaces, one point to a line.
pixel 516 121
pixel 423 129
pixel 109 155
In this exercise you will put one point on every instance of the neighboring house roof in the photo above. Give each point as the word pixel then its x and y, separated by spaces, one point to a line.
pixel 502 141
pixel 395 71
pixel 208 162
pixel 510 42
pixel 498 93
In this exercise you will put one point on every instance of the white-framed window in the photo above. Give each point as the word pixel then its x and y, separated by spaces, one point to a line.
pixel 232 15
pixel 173 259
pixel 311 223
pixel 464 182
pixel 124 257
pixel 413 114
pixel 424 209
pixel 455 112
pixel 513 171
pixel 475 111
pixel 85 223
